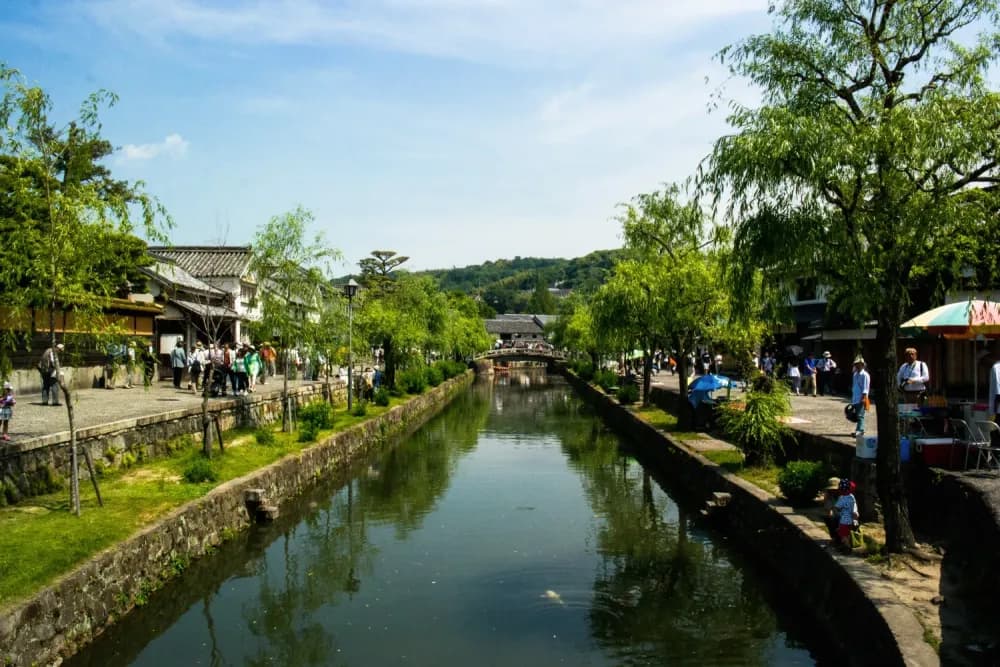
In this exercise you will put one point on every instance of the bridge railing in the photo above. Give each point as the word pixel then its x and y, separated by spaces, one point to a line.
pixel 522 352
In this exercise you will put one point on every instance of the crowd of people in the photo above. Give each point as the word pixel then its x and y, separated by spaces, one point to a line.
pixel 221 367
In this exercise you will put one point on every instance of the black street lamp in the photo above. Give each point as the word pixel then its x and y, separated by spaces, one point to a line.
pixel 350 289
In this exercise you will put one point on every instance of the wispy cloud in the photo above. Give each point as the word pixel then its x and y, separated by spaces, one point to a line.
pixel 173 145
pixel 473 29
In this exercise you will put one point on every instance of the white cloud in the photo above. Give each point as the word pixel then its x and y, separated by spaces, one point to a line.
pixel 473 29
pixel 173 145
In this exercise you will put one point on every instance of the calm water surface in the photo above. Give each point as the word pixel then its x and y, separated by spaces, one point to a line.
pixel 511 530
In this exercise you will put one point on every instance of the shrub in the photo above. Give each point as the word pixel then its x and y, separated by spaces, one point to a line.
pixel 412 380
pixel 200 470
pixel 434 375
pixel 128 460
pixel 605 379
pixel 628 393
pixel 318 416
pixel 801 481
pixel 381 397
pixel 753 426
pixel 450 368
pixel 360 409
pixel 584 370
pixel 265 437
pixel 307 432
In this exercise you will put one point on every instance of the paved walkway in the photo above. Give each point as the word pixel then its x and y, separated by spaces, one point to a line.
pixel 817 415
pixel 101 406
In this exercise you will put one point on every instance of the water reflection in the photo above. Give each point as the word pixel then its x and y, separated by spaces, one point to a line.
pixel 511 529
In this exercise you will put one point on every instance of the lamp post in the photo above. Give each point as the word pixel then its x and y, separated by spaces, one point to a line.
pixel 350 289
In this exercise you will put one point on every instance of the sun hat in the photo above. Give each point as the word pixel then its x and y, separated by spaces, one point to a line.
pixel 60 346
pixel 7 385
pixel 833 484
pixel 198 344
pixel 826 354
pixel 859 359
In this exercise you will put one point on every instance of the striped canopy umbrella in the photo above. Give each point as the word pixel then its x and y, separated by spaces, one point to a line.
pixel 963 319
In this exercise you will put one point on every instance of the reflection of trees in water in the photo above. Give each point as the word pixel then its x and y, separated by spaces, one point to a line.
pixel 328 555
pixel 532 407
pixel 658 592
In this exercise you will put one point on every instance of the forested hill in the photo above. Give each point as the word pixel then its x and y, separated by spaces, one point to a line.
pixel 583 274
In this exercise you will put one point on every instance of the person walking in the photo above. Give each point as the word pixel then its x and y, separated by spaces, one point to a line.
pixel 824 373
pixel 178 362
pixel 809 375
pixel 240 368
pixel 268 358
pixel 6 408
pixel 795 377
pixel 197 361
pixel 253 366
pixel 913 377
pixel 860 386
pixel 48 367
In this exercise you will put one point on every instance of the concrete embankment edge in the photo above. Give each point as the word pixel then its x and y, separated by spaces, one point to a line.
pixel 848 598
pixel 70 613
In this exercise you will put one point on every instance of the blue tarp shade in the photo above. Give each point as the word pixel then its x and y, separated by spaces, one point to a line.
pixel 700 390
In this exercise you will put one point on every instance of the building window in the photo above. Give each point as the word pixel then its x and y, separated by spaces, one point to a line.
pixel 247 293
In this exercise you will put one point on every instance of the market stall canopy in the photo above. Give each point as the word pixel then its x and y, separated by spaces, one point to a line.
pixel 962 319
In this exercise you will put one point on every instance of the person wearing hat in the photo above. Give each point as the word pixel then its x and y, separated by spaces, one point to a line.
pixel 252 362
pixel 846 511
pixel 197 361
pixel 831 493
pixel 6 408
pixel 860 386
pixel 824 370
pixel 913 378
pixel 48 367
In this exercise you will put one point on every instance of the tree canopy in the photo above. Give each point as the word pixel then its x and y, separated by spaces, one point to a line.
pixel 870 164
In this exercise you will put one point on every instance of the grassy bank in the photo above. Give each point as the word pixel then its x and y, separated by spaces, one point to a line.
pixel 40 539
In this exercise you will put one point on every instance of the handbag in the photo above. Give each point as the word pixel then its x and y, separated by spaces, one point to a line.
pixel 851 412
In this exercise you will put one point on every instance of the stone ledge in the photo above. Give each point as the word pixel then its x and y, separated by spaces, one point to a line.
pixel 840 591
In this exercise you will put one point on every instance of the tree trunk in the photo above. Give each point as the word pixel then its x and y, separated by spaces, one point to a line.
pixel 892 495
pixel 647 375
pixel 286 421
pixel 74 487
pixel 206 423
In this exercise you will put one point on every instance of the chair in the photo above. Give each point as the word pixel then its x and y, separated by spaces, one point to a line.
pixel 990 453
pixel 970 437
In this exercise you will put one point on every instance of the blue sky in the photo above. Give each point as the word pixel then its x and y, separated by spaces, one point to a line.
pixel 452 131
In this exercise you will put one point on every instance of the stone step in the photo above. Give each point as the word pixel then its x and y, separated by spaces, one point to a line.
pixel 267 513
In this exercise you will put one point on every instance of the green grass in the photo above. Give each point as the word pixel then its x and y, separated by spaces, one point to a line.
pixel 656 417
pixel 40 539
pixel 730 459
pixel 766 477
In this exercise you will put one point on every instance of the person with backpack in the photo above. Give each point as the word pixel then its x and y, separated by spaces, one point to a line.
pixel 48 367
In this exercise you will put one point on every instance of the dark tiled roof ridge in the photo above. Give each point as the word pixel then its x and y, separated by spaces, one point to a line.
pixel 200 248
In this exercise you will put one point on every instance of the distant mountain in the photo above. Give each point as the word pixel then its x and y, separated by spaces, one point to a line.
pixel 585 273
pixel 506 284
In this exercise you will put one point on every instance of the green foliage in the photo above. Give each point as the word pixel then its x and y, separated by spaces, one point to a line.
pixel 318 416
pixel 450 368
pixel 200 470
pixel 360 408
pixel 381 397
pixel 308 432
pixel 265 437
pixel 605 379
pixel 628 393
pixel 801 481
pixel 753 425
pixel 434 375
pixel 412 380
pixel 584 370
pixel 128 460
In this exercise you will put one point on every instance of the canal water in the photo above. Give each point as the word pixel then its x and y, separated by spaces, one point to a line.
pixel 513 529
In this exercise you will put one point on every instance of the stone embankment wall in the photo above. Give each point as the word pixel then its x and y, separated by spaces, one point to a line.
pixel 145 437
pixel 841 592
pixel 71 612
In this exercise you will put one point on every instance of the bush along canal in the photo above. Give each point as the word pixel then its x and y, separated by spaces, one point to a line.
pixel 510 529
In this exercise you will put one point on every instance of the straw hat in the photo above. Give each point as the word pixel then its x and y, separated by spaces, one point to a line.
pixel 826 354
pixel 833 484
pixel 859 360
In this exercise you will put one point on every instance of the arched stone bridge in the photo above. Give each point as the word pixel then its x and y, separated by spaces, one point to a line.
pixel 522 354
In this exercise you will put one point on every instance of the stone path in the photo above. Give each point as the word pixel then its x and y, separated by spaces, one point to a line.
pixel 101 406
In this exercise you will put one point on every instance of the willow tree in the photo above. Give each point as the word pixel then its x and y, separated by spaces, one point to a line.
pixel 67 225
pixel 290 265
pixel 870 163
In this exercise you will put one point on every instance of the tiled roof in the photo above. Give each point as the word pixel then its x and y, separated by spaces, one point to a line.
pixel 207 261
pixel 176 276
pixel 512 326
pixel 207 310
